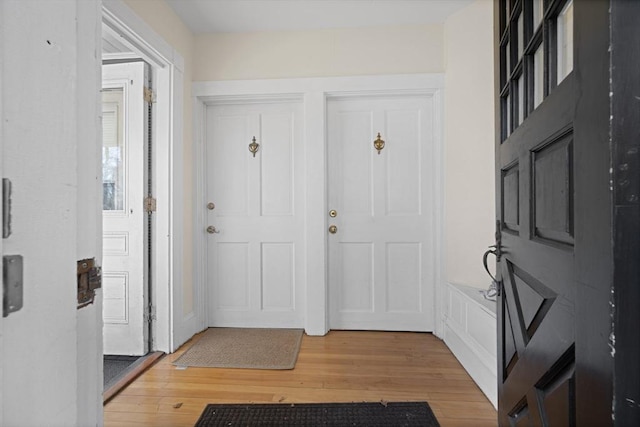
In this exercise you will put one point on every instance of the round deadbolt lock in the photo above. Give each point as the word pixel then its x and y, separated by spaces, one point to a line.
pixel 211 206
pixel 333 213
pixel 333 229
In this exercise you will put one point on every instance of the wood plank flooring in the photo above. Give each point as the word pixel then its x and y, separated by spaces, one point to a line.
pixel 342 366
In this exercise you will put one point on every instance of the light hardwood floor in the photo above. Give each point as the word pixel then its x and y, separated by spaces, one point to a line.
pixel 342 366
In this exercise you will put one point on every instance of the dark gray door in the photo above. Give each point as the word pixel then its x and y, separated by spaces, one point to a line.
pixel 536 215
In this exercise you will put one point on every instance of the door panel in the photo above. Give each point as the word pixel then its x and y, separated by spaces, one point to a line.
pixel 404 275
pixel 232 267
pixel 125 123
pixel 381 260
pixel 403 163
pixel 278 274
pixel 353 163
pixel 255 264
pixel 233 173
pixel 277 165
pixel 358 296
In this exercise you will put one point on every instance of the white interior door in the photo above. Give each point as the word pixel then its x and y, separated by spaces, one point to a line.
pixel 381 259
pixel 255 254
pixel 124 174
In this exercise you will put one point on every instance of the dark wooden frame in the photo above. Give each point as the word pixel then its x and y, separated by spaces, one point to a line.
pixel 625 143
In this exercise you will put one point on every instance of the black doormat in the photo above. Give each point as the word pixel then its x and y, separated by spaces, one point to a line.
pixel 320 414
pixel 115 367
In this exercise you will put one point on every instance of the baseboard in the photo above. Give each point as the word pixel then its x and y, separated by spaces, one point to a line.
pixel 470 332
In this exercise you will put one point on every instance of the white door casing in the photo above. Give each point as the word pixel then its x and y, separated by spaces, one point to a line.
pixel 174 318
pixel 382 258
pixel 255 256
pixel 124 279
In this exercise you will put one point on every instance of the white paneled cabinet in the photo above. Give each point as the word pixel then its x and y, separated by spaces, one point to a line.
pixel 470 333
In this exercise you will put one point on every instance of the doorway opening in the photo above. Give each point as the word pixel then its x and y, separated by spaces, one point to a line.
pixel 126 220
pixel 127 38
pixel 128 42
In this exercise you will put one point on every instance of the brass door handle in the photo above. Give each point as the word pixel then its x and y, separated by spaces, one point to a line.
pixel 333 229
pixel 212 230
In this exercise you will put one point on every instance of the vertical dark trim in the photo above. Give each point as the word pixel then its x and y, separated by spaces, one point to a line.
pixel 150 306
pixel 625 138
pixel 593 222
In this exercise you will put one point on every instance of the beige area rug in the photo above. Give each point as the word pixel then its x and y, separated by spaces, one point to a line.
pixel 244 348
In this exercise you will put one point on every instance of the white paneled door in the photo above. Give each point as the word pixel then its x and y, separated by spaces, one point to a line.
pixel 255 214
pixel 381 256
pixel 124 177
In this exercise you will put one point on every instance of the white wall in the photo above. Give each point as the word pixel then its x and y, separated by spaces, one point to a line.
pixel 469 143
pixel 51 354
pixel 319 53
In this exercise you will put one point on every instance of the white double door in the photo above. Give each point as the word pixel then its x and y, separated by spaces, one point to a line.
pixel 124 176
pixel 381 258
pixel 256 203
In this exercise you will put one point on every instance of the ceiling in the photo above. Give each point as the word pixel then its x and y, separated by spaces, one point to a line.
pixel 224 16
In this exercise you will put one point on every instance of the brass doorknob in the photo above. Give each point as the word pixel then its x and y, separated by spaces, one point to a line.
pixel 333 229
pixel 212 230
pixel 211 206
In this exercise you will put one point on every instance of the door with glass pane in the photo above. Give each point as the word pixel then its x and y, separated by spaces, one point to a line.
pixel 535 209
pixel 124 176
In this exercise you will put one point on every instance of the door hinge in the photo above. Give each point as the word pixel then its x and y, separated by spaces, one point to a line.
pixel 150 313
pixel 149 96
pixel 149 204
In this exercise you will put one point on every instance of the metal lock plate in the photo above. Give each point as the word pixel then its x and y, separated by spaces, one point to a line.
pixel 12 280
pixel 6 208
pixel 89 279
